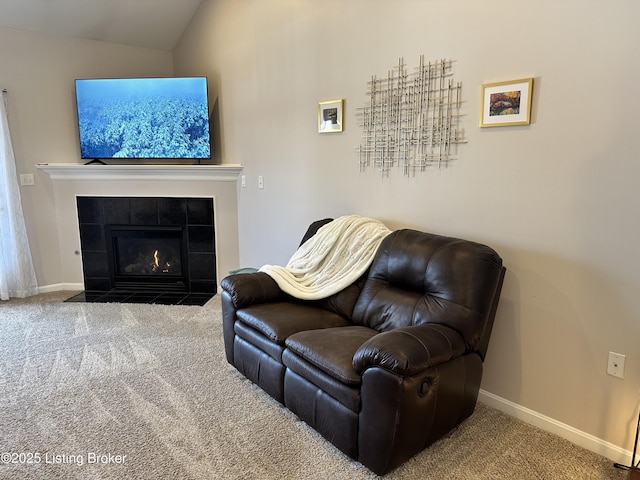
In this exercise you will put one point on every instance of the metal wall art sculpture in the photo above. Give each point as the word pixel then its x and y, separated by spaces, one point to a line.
pixel 412 119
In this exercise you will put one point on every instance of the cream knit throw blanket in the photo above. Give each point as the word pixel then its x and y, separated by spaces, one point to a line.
pixel 335 257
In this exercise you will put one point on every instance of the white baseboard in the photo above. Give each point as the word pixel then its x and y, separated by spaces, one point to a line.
pixel 60 286
pixel 578 437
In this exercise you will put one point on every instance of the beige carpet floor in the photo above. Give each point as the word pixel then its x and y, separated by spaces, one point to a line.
pixel 128 391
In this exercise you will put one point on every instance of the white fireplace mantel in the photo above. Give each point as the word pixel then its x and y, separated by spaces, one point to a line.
pixel 76 171
pixel 71 180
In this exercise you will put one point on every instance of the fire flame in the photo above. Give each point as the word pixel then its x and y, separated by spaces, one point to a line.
pixel 155 264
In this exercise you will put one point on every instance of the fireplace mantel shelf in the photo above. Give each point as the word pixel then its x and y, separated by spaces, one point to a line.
pixel 75 171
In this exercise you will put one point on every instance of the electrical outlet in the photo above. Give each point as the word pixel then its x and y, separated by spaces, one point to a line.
pixel 615 365
pixel 26 179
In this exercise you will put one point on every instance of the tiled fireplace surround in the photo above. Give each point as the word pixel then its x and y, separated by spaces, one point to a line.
pixel 196 215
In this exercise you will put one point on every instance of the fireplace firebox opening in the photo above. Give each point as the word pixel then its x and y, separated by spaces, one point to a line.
pixel 147 258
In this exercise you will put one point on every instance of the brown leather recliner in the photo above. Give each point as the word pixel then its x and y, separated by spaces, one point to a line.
pixel 385 367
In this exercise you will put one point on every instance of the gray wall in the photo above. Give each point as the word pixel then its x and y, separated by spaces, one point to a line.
pixel 39 71
pixel 557 199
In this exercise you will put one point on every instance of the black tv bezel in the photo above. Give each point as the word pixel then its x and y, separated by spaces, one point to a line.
pixel 144 160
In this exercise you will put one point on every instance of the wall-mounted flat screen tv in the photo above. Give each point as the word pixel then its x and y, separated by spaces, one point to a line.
pixel 143 118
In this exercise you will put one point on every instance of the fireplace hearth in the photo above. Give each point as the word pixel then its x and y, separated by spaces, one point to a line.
pixel 147 249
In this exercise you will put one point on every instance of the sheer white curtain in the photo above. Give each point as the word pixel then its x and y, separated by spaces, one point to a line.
pixel 17 275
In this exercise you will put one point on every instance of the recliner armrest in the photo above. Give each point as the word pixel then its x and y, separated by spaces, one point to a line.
pixel 251 288
pixel 407 351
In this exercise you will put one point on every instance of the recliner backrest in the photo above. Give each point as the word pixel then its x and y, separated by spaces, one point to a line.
pixel 343 301
pixel 419 278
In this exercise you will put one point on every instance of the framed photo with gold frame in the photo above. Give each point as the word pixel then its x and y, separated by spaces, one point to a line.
pixel 330 116
pixel 506 103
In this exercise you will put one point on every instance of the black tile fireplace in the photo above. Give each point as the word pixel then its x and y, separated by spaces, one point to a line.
pixel 147 249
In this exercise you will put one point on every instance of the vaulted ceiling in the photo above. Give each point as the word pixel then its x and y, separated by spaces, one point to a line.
pixel 156 24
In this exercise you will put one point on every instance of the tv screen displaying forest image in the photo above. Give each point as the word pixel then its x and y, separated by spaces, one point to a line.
pixel 143 118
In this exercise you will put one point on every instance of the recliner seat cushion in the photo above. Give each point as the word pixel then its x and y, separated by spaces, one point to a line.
pixel 347 395
pixel 257 339
pixel 277 321
pixel 324 358
pixel 332 350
